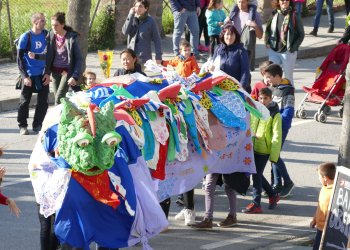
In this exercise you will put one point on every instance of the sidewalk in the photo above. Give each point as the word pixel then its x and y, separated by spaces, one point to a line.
pixel 311 47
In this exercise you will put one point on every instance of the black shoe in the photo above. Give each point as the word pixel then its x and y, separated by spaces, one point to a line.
pixel 277 188
pixel 287 189
pixel 313 32
pixel 37 129
pixel 330 29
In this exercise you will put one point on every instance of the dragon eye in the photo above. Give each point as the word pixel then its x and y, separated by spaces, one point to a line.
pixel 112 138
pixel 83 139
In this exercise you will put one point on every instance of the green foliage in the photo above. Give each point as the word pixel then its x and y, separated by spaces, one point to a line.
pixel 101 34
pixel 167 21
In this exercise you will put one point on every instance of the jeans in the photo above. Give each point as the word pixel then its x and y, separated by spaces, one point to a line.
pixel 279 169
pixel 48 240
pixel 319 5
pixel 41 105
pixel 286 60
pixel 259 181
pixel 298 6
pixel 317 241
pixel 180 20
pixel 347 6
pixel 210 186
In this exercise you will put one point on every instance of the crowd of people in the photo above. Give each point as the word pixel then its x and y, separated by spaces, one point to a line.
pixel 54 56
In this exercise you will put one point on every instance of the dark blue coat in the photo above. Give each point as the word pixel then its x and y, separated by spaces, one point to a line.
pixel 190 5
pixel 234 61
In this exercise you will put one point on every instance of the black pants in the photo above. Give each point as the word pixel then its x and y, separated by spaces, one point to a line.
pixel 166 206
pixel 41 105
pixel 347 6
pixel 189 199
pixel 48 240
pixel 214 40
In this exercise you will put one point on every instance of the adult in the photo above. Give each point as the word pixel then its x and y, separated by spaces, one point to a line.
pixel 319 6
pixel 63 60
pixel 129 63
pixel 283 36
pixel 249 30
pixel 298 6
pixel 233 56
pixel 31 71
pixel 347 6
pixel 186 12
pixel 141 30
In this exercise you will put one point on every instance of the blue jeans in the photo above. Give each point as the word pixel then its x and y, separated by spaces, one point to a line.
pixel 319 5
pixel 279 169
pixel 286 60
pixel 298 6
pixel 317 241
pixel 259 181
pixel 180 20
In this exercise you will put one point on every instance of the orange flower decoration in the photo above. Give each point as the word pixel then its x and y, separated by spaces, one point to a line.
pixel 247 160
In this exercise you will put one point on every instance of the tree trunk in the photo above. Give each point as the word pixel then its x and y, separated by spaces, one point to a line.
pixel 344 146
pixel 264 9
pixel 78 17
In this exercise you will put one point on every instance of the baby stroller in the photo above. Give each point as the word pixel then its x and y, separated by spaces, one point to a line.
pixel 329 87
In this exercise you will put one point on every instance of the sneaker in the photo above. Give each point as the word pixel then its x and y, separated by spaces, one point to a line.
pixel 190 217
pixel 204 224
pixel 264 194
pixel 37 129
pixel 330 29
pixel 277 188
pixel 313 32
pixel 180 201
pixel 273 201
pixel 23 131
pixel 287 189
pixel 228 222
pixel 202 48
pixel 180 215
pixel 252 208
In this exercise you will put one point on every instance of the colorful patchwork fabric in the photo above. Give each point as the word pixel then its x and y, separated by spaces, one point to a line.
pixel 205 101
pixel 188 115
pixel 148 149
pixel 229 84
pixel 233 103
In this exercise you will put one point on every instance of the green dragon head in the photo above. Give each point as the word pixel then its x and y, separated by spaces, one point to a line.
pixel 87 139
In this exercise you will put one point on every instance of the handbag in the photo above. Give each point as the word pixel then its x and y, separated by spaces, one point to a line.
pixel 19 82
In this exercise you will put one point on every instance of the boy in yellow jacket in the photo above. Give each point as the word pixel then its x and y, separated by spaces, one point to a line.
pixel 267 141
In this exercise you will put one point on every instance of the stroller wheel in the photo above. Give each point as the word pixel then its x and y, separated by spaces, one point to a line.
pixel 316 116
pixel 302 114
pixel 340 113
pixel 327 109
pixel 322 117
pixel 296 113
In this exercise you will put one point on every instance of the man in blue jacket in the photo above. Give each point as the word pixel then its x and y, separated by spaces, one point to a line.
pixel 186 12
pixel 31 63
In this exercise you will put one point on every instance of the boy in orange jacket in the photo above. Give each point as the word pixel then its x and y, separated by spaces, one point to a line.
pixel 185 63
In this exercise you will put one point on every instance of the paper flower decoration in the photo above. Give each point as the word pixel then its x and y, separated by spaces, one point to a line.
pixel 106 58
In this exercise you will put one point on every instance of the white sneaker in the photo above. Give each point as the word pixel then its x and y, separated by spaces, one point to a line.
pixel 190 217
pixel 180 215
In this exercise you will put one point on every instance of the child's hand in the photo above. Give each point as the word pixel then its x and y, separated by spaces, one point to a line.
pixel 31 55
pixel 13 207
pixel 2 172
pixel 220 23
pixel 312 223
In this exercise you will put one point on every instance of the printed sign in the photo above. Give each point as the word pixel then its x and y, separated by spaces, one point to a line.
pixel 337 229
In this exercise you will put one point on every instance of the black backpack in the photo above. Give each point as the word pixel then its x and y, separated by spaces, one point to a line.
pixel 16 42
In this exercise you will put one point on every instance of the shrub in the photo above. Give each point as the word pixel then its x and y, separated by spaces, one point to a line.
pixel 102 31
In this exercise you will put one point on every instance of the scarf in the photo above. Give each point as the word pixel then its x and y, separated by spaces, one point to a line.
pixel 270 33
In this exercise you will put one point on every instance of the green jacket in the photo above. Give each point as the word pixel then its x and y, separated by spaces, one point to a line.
pixel 267 134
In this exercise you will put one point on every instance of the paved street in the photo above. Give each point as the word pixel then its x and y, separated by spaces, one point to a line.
pixel 308 144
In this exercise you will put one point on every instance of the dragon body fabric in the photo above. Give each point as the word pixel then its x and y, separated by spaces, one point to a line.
pixel 88 166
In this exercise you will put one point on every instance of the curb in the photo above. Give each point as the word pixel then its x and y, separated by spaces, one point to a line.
pixel 12 104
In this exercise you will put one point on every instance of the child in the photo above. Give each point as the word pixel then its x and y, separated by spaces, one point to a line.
pixel 261 84
pixel 185 63
pixel 283 94
pixel 252 5
pixel 267 142
pixel 326 173
pixel 5 200
pixel 215 19
pixel 89 79
pixel 129 63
